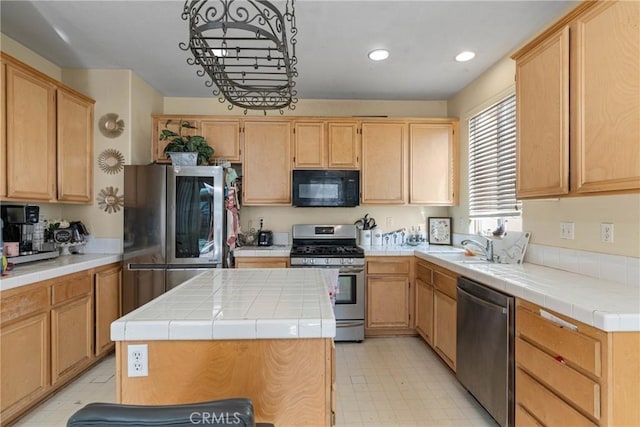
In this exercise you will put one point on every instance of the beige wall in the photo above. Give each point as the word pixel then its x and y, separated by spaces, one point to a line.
pixel 315 107
pixel 29 57
pixel 543 218
pixel 145 101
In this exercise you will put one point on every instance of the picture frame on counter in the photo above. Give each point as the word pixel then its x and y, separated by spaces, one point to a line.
pixel 439 230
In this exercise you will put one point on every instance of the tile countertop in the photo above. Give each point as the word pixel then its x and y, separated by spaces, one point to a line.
pixel 235 304
pixel 606 305
pixel 32 272
pixel 262 251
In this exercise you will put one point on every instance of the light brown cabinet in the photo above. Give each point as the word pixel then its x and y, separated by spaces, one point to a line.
pixel 107 306
pixel 309 145
pixel 74 147
pixel 344 145
pixel 172 123
pixel 577 113
pixel 326 144
pixel 433 164
pixel 3 129
pixel 71 325
pixel 224 136
pixel 578 375
pixel 384 160
pixel 424 300
pixel 267 163
pixel 24 348
pixel 262 262
pixel 47 131
pixel 47 336
pixel 31 136
pixel 389 298
pixel 445 315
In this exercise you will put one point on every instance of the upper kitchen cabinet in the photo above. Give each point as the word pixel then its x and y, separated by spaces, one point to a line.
pixel 326 144
pixel 267 162
pixel 384 159
pixel 31 135
pixel 172 123
pixel 47 138
pixel 433 164
pixel 75 147
pixel 3 129
pixel 578 95
pixel 224 136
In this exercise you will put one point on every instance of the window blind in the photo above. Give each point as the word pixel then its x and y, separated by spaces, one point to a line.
pixel 492 162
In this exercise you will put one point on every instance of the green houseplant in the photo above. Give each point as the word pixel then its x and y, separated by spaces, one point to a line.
pixel 179 143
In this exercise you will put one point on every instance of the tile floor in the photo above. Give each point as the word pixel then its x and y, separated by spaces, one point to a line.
pixel 380 382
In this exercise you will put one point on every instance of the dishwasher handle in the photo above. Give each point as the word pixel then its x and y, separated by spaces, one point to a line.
pixel 487 304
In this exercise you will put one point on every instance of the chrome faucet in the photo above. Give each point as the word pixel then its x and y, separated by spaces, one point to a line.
pixel 487 249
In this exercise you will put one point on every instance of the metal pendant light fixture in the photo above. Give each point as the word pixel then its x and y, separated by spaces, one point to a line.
pixel 248 50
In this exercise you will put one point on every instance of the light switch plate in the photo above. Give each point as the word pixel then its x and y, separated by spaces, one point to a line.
pixel 567 230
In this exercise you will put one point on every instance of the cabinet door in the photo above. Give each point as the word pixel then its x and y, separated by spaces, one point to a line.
pixel 75 148
pixel 107 304
pixel 542 106
pixel 31 137
pixel 433 158
pixel 605 88
pixel 424 310
pixel 387 302
pixel 71 337
pixel 171 123
pixel 3 130
pixel 444 328
pixel 24 363
pixel 309 145
pixel 384 159
pixel 224 137
pixel 267 163
pixel 344 145
pixel 263 262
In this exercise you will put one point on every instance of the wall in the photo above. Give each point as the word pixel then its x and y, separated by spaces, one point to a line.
pixel 29 57
pixel 145 101
pixel 542 217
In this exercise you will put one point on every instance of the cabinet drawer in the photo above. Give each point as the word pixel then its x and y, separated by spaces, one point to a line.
pixel 574 347
pixel 544 405
pixel 575 387
pixel 389 267
pixel 424 272
pixel 445 283
pixel 71 288
pixel 24 303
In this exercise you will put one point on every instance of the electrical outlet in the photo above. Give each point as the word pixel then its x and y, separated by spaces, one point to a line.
pixel 389 223
pixel 567 230
pixel 606 232
pixel 138 360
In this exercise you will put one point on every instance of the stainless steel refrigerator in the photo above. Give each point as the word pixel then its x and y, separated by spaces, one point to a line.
pixel 173 228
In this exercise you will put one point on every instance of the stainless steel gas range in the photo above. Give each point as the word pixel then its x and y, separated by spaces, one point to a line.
pixel 334 246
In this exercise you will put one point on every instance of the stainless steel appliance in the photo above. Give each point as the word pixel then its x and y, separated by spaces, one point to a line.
pixel 18 226
pixel 173 227
pixel 485 348
pixel 334 246
pixel 326 188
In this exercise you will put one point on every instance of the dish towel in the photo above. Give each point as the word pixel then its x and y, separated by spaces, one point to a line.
pixel 331 280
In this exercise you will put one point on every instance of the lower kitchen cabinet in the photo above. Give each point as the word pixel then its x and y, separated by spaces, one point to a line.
pixel 262 262
pixel 436 309
pixel 574 374
pixel 389 297
pixel 47 336
pixel 107 306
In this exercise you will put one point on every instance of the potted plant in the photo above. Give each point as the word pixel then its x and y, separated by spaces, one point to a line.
pixel 179 143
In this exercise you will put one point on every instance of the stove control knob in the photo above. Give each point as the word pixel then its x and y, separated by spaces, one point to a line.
pixel 350 261
pixel 304 261
pixel 326 261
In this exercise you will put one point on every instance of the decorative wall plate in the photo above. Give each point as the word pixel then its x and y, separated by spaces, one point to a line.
pixel 109 201
pixel 111 161
pixel 110 126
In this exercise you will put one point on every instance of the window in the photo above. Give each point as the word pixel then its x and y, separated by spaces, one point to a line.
pixel 492 165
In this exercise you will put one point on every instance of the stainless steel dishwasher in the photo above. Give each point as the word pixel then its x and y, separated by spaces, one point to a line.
pixel 485 341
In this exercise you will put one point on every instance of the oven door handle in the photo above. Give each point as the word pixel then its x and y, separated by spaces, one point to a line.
pixel 348 324
pixel 351 270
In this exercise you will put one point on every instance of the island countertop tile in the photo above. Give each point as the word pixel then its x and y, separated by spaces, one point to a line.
pixel 235 304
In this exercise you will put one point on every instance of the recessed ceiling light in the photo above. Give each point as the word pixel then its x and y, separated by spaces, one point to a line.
pixel 378 54
pixel 465 56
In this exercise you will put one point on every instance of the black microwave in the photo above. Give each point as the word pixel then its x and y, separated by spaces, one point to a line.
pixel 326 188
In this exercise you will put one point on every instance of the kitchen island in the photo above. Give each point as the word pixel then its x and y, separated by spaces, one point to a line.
pixel 264 334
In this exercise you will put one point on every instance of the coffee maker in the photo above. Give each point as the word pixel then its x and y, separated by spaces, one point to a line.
pixel 18 226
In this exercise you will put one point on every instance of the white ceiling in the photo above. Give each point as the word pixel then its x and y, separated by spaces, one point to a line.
pixel 333 41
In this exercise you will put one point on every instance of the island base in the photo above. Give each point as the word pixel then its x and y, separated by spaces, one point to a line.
pixel 291 382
